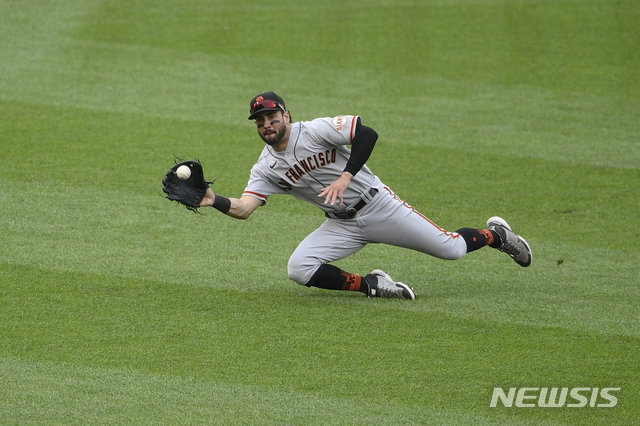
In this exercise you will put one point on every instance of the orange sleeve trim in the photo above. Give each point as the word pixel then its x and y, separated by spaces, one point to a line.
pixel 353 125
pixel 256 195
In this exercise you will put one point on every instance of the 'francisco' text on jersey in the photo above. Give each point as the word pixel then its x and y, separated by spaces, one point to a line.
pixel 307 165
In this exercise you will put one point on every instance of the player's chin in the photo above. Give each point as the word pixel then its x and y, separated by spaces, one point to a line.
pixel 271 138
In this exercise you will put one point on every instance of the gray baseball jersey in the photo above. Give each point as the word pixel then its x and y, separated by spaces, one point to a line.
pixel 316 155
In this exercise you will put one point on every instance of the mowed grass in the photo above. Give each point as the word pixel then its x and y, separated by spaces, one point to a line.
pixel 119 307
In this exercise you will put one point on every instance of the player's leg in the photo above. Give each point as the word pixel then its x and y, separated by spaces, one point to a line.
pixel 334 240
pixel 477 238
pixel 376 284
pixel 391 220
pixel 500 236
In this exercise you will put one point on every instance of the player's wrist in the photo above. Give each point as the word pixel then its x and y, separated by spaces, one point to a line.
pixel 222 204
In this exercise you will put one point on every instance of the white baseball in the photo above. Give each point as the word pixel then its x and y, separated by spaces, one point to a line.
pixel 183 172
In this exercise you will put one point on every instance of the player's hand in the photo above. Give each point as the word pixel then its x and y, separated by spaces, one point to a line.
pixel 207 201
pixel 335 191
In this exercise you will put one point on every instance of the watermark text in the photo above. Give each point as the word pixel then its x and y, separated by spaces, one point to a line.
pixel 576 397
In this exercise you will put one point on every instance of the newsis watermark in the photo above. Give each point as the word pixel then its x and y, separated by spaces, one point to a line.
pixel 577 397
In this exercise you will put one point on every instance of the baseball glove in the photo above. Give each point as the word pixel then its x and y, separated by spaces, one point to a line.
pixel 189 191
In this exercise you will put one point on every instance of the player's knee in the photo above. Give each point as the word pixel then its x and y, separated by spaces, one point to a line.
pixel 301 269
pixel 454 249
pixel 455 253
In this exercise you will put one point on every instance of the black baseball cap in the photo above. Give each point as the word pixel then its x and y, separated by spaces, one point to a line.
pixel 266 101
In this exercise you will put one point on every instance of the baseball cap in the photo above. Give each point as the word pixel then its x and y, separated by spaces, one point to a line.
pixel 266 101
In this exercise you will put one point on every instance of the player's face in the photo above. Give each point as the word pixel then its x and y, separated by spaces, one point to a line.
pixel 272 127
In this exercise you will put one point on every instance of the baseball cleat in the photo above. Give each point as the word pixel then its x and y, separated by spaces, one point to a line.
pixel 380 284
pixel 512 244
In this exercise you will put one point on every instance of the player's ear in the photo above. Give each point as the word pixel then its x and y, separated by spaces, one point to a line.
pixel 287 117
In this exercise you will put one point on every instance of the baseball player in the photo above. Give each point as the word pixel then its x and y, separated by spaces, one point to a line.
pixel 311 160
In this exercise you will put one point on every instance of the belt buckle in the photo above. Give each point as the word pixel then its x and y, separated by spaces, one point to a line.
pixel 350 213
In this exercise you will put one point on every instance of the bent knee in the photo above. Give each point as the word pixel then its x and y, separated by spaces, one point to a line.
pixel 455 248
pixel 301 269
pixel 454 254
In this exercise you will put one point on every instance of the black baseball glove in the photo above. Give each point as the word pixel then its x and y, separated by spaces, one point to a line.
pixel 190 190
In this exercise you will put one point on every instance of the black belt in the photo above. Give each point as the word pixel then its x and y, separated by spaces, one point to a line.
pixel 351 212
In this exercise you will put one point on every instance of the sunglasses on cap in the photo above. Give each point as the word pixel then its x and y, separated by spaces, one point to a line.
pixel 266 104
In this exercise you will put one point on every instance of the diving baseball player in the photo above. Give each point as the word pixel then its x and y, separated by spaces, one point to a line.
pixel 311 160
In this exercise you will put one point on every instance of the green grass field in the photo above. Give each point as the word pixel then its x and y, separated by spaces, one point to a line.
pixel 119 307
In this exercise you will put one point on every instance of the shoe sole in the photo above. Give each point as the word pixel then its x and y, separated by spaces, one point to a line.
pixel 498 221
pixel 530 253
pixel 405 286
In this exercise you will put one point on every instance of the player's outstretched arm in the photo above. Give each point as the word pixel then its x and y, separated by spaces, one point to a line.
pixel 240 208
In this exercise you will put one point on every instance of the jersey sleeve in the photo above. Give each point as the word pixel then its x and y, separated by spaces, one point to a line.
pixel 337 130
pixel 260 186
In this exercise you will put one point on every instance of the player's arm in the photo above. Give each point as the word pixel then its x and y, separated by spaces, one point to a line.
pixel 364 139
pixel 239 208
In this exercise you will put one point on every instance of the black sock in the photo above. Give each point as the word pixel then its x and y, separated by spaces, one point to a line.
pixel 477 238
pixel 497 241
pixel 333 278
